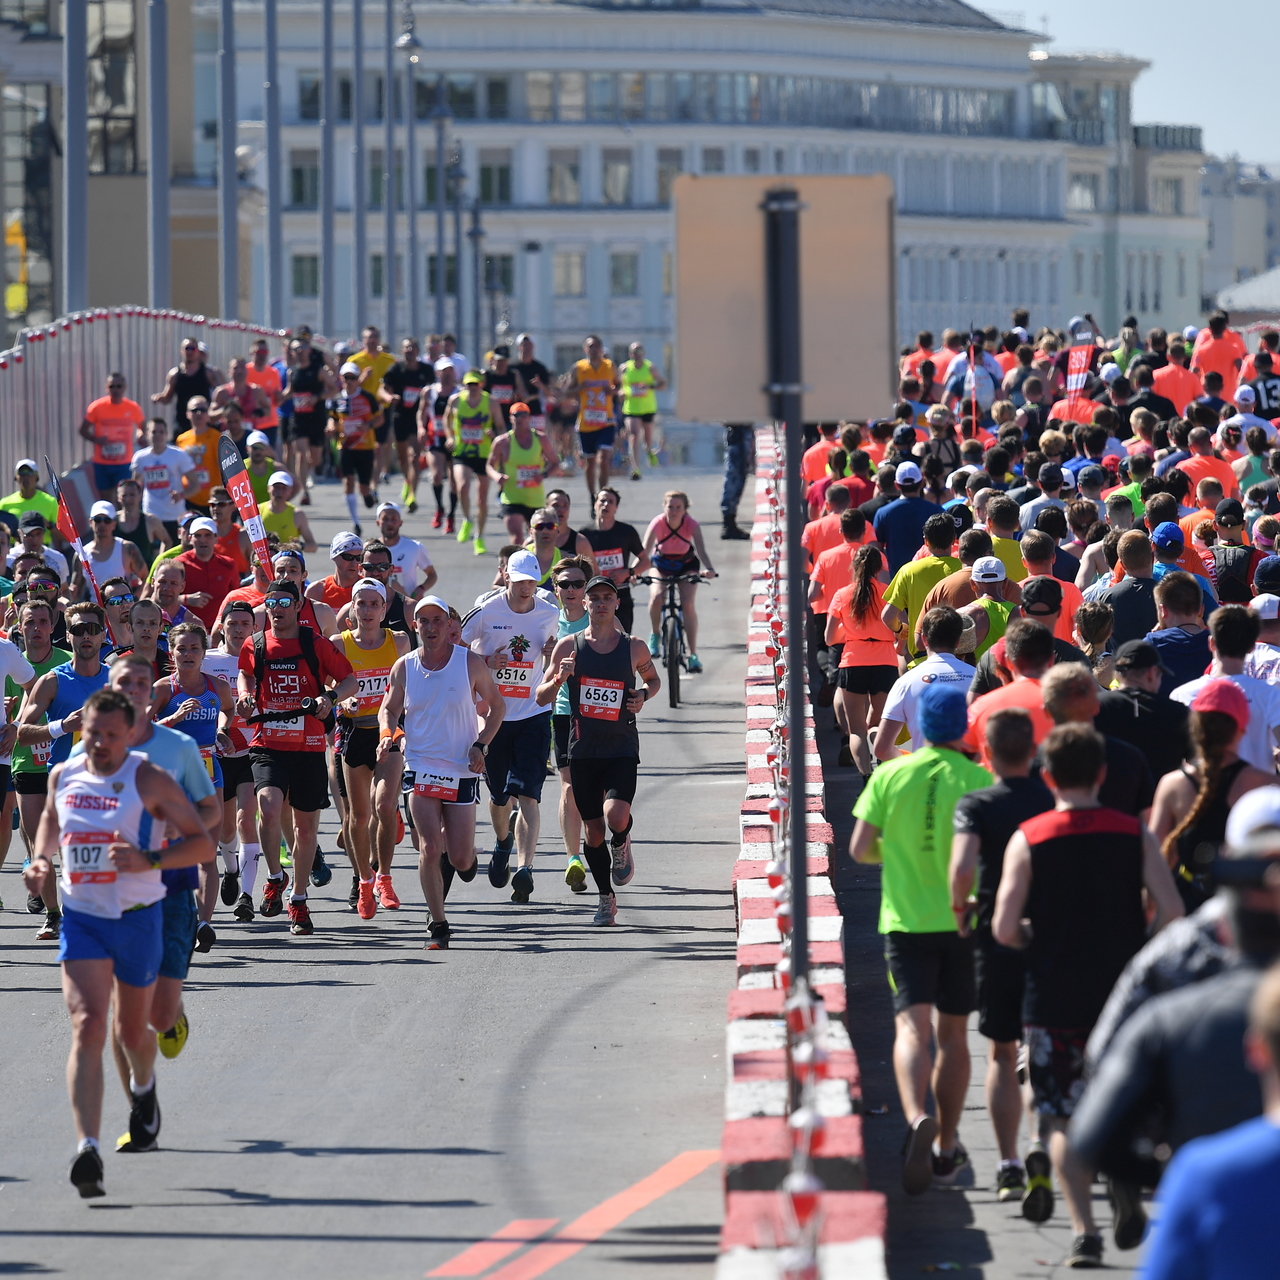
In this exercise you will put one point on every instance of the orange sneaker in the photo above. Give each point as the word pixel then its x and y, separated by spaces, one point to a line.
pixel 387 894
pixel 365 904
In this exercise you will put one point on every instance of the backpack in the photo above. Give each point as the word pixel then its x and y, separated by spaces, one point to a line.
pixel 1231 568
pixel 307 642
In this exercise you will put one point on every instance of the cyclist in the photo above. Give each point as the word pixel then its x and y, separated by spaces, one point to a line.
pixel 520 460
pixel 472 421
pixel 593 382
pixel 671 541
pixel 640 379
pixel 599 665
pixel 618 550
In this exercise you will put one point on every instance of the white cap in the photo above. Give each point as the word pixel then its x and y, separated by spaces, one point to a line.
pixel 444 363
pixel 988 569
pixel 202 525
pixel 350 368
pixel 342 348
pixel 1110 372
pixel 279 477
pixel 1254 823
pixel 524 567
pixel 1266 606
pixel 387 506
pixel 107 509
pixel 345 541
pixel 430 600
pixel 25 462
pixel 962 474
pixel 1245 395
pixel 1190 333
pixel 1069 478
pixel 257 437
pixel 371 585
pixel 907 473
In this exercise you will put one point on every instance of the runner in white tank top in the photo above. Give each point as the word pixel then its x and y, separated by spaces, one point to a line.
pixel 435 689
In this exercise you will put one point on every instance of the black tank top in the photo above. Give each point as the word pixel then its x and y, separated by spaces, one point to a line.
pixel 502 391
pixel 186 385
pixel 602 728
pixel 138 536
pixel 1198 844
pixel 568 543
pixel 396 620
pixel 1085 908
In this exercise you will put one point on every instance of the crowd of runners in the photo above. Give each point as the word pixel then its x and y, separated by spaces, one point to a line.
pixel 183 702
pixel 1045 612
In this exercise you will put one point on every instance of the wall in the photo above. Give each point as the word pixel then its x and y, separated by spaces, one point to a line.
pixel 117 239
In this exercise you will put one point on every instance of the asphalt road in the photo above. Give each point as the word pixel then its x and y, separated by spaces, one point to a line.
pixel 350 1105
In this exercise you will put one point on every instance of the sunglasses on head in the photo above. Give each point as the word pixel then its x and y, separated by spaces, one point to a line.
pixel 85 628
pixel 351 557
pixel 279 602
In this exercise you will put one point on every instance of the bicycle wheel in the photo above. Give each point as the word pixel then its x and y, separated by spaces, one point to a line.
pixel 671 639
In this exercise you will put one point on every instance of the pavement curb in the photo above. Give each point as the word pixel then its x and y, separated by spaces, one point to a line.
pixel 756 1145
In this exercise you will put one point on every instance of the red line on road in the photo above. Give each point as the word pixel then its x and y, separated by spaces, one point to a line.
pixel 502 1244
pixel 604 1217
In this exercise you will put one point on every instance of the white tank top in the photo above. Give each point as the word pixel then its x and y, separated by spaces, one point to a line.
pixel 90 810
pixel 440 721
pixel 112 566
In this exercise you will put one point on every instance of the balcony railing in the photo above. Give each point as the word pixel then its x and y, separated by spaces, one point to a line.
pixel 1167 137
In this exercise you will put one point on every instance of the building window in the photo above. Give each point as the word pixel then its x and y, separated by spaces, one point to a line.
pixel 1082 192
pixel 658 96
pixel 1097 273
pixel 670 163
pixel 668 274
pixel 497 98
pixel 495 177
pixel 306 275
pixel 751 160
pixel 308 95
pixel 500 273
pixel 377 175
pixel 563 186
pixel 1128 282
pixel 624 275
pixel 1166 196
pixel 971 186
pixel 539 96
pixel 683 106
pixel 28 205
pixel 450 274
pixel 712 159
pixel 569 274
pixel 344 97
pixel 112 87
pixel 615 175
pixel 779 160
pixel 1182 276
pixel 924 189
pixel 603 101
pixel 377 275
pixel 631 94
pixel 304 179
pixel 571 96
pixel 462 97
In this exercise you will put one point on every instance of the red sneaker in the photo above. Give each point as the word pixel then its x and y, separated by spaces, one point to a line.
pixel 365 904
pixel 438 519
pixel 300 919
pixel 273 896
pixel 387 894
pixel 448 524
pixel 399 826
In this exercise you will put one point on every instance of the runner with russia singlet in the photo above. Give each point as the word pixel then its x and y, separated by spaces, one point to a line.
pixel 599 665
pixel 106 815
pixel 436 689
pixel 372 781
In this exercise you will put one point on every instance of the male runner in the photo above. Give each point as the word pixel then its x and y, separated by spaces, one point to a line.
pixel 472 421
pixel 111 883
pixel 402 388
pixel 111 424
pixel 434 436
pixel 160 470
pixel 412 570
pixel 593 381
pixel 618 550
pixel 260 372
pixel 436 689
pixel 374 362
pixel 354 423
pixel 640 378
pixel 519 462
pixel 345 550
pixel 513 632
pixel 283 666
pixel 599 666
pixel 376 563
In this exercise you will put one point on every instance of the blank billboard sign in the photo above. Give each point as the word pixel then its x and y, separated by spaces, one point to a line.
pixel 846 296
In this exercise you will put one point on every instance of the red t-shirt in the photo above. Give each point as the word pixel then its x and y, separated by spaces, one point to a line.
pixel 1081 411
pixel 286 680
pixel 860 490
pixel 217 576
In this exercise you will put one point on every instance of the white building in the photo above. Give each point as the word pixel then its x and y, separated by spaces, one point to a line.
pixel 1021 179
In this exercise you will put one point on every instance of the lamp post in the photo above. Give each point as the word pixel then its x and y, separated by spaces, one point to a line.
pixel 328 112
pixel 455 180
pixel 476 236
pixel 359 235
pixel 228 178
pixel 442 122
pixel 389 170
pixel 75 157
pixel 275 173
pixel 409 43
pixel 158 153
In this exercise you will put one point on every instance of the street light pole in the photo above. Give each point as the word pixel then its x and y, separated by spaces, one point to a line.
pixel 408 43
pixel 441 117
pixel 228 179
pixel 158 153
pixel 389 169
pixel 476 235
pixel 327 110
pixel 75 156
pixel 275 176
pixel 359 235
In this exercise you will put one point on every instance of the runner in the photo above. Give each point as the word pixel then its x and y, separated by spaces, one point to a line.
pixel 538 381
pixel 111 557
pixel 471 423
pixel 285 665
pixel 289 565
pixel 401 390
pixel 309 384
pixel 253 402
pixel 599 666
pixel 190 378
pixel 147 634
pixel 353 423
pixel 640 378
pixel 208 576
pixel 282 518
pixel 374 361
pixel 260 465
pixel 513 632
pixel 569 541
pixel 232 541
pixel 593 382
pixel 504 384
pixel 147 533
pixel 345 551
pixel 28 496
pixel 414 573
pixel 372 783
pixel 433 434
pixel 436 690
pixel 670 541
pixel 260 372
pixel 519 462
pixel 376 564
pixel 111 424
pixel 19 675
pixel 195 704
pixel 200 444
pixel 618 551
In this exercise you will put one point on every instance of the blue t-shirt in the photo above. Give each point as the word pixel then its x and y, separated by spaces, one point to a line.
pixel 1185 656
pixel 1217 1208
pixel 1206 592
pixel 178 755
pixel 899 527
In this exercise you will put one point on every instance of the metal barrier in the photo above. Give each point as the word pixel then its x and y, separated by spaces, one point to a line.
pixel 49 378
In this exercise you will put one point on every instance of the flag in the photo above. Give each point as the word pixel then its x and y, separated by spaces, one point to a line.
pixel 236 480
pixel 67 527
pixel 1078 358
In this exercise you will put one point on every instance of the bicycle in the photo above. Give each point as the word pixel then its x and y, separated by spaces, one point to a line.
pixel 674 652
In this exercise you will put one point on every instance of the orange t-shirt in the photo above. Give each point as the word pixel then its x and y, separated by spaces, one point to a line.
pixel 333 594
pixel 1081 411
pixel 820 534
pixel 911 364
pixel 1202 466
pixel 834 570
pixel 202 449
pixel 1022 693
pixel 1177 384
pixel 269 380
pixel 1071 601
pixel 868 643
pixel 1188 525
pixel 1007 360
pixel 813 466
pixel 229 545
pixel 117 423
pixel 1219 355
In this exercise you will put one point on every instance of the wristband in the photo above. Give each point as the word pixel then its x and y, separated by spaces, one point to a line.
pixel 55 729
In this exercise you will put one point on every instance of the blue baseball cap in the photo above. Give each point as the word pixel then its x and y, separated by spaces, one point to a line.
pixel 944 712
pixel 1167 534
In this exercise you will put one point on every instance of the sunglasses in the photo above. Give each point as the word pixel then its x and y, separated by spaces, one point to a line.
pixel 42 588
pixel 115 386
pixel 374 568
pixel 538 527
pixel 350 557
pixel 571 584
pixel 279 602
pixel 350 377
pixel 101 520
pixel 197 411
pixel 120 599
pixel 85 628
pixel 222 502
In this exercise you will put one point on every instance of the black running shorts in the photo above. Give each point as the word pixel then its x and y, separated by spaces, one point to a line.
pixel 301 775
pixel 594 781
pixel 931 968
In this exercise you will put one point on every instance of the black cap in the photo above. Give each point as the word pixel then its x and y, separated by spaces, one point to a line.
pixel 1050 476
pixel 1138 655
pixel 502 350
pixel 31 520
pixel 1044 593
pixel 1266 577
pixel 238 606
pixel 905 434
pixel 1229 511
pixel 600 581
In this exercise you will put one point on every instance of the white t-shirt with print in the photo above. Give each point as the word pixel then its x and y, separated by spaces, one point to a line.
pixel 496 626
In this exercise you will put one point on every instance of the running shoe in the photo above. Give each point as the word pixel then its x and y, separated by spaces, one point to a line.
pixel 575 875
pixel 655 644
pixel 635 473
pixel 357 530
pixel 607 911
pixel 917 1156
pixel 1011 1182
pixel 365 903
pixel 695 665
pixel 387 894
pixel 1086 1253
pixel 243 910
pixel 404 491
pixel 173 1041
pixel 1129 1222
pixel 439 936
pixel 51 930
pixel 35 903
pixel 464 533
pixel 947 1168
pixel 624 865
pixel 230 888
pixel 286 855
pixel 305 500
pixel 321 871
pixel 370 501
pixel 86 1174
pixel 300 919
pixel 273 896
pixel 479 547
pixel 499 871
pixel 522 885
pixel 449 525
pixel 412 506
pixel 438 519
pixel 353 897
pixel 653 458
pixel 845 758
pixel 205 936
pixel 1037 1200
pixel 144 1120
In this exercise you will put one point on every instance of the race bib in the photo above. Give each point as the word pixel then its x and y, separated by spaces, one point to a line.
pixel 284 733
pixel 155 478
pixel 639 389
pixel 206 754
pixel 303 401
pixel 41 752
pixel 515 679
pixel 84 856
pixel 199 478
pixel 439 786
pixel 595 418
pixel 373 687
pixel 528 477
pixel 353 433
pixel 410 395
pixel 114 449
pixel 503 395
pixel 606 560
pixel 538 422
pixel 472 435
pixel 600 699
